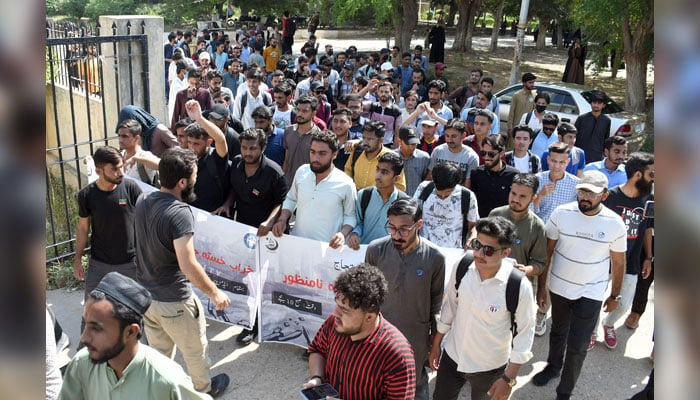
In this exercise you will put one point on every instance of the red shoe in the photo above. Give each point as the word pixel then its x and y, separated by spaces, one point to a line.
pixel 610 336
pixel 591 344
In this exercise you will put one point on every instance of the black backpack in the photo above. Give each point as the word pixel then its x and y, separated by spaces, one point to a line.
pixel 267 101
pixel 512 286
pixel 355 155
pixel 292 25
pixel 367 195
pixel 466 199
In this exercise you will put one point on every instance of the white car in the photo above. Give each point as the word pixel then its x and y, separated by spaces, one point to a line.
pixel 569 100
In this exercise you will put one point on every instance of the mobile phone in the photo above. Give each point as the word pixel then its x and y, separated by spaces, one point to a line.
pixel 649 209
pixel 319 392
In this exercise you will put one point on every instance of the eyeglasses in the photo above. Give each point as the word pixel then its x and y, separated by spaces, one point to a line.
pixel 491 154
pixel 403 232
pixel 586 194
pixel 488 250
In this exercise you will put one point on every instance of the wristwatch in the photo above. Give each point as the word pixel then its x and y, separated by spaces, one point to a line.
pixel 510 381
pixel 616 297
pixel 650 259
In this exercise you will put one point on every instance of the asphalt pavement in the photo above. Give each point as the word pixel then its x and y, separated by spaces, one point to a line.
pixel 277 371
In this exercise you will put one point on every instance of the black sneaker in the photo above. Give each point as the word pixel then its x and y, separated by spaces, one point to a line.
pixel 563 396
pixel 219 384
pixel 544 376
pixel 247 336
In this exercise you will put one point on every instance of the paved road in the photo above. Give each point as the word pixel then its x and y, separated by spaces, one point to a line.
pixel 277 371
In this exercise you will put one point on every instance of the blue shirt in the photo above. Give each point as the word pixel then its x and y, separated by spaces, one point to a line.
pixel 406 75
pixel 275 146
pixel 220 60
pixel 232 83
pixel 564 192
pixel 542 142
pixel 615 178
pixel 371 226
pixel 444 113
pixel 495 125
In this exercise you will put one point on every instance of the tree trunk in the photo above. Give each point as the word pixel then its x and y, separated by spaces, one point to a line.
pixel 406 21
pixel 452 14
pixel 496 21
pixel 465 25
pixel 542 35
pixel 473 9
pixel 560 33
pixel 636 54
pixel 636 67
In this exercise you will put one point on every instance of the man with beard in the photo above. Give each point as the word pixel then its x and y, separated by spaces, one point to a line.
pixel 628 200
pixel 482 347
pixel 613 164
pixel 354 102
pixel 193 92
pixel 436 91
pixel 216 80
pixel 322 196
pixel 257 191
pixel 458 98
pixel 491 181
pixel 362 169
pixel 219 116
pixel 106 205
pixel 385 110
pixel 356 350
pixel 212 180
pixel 530 248
pixel 586 244
pixel 297 137
pixel 415 271
pixel 233 78
pixel 114 324
pixel 454 151
pixel 593 127
pixel 168 267
pixel 274 148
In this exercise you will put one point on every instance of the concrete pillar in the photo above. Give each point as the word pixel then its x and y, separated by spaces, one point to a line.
pixel 119 61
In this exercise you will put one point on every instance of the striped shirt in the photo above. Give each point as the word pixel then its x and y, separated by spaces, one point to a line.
pixel 564 192
pixel 380 366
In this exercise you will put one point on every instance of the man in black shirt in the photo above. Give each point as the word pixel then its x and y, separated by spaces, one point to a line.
pixel 593 128
pixel 167 267
pixel 219 116
pixel 258 188
pixel 212 168
pixel 491 181
pixel 106 206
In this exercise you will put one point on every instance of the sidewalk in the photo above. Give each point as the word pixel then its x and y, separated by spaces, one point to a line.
pixel 277 371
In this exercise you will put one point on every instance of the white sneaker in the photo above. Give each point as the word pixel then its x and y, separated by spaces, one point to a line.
pixel 540 324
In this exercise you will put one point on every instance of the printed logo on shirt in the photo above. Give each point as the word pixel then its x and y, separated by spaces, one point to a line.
pixel 420 272
pixel 601 235
pixel 256 192
pixel 122 202
pixel 493 308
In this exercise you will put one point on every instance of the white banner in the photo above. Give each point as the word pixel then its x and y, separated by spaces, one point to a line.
pixel 297 275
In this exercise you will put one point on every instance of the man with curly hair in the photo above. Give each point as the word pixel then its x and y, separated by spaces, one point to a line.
pixel 356 350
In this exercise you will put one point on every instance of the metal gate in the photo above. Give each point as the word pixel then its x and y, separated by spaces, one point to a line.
pixel 79 111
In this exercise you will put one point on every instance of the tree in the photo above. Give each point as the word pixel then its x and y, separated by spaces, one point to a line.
pixel 635 19
pixel 496 9
pixel 465 26
pixel 546 11
pixel 401 15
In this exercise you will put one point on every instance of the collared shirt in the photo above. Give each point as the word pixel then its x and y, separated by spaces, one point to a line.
pixel 275 146
pixel 615 178
pixel 323 208
pixel 233 82
pixel 149 375
pixel 564 192
pixel 531 242
pixel 577 161
pixel 257 195
pixel 246 116
pixel 371 225
pixel 591 134
pixel 581 262
pixel 445 113
pixel 495 125
pixel 366 169
pixel 492 188
pixel 380 366
pixel 405 73
pixel 541 143
pixel 297 148
pixel 479 321
pixel 415 168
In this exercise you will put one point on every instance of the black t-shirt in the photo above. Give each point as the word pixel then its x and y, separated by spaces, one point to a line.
pixel 160 219
pixel 212 181
pixel 112 220
pixel 632 213
pixel 257 195
pixel 232 141
pixel 491 188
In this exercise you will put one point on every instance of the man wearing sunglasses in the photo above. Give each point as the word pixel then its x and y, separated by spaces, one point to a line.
pixel 481 348
pixel 586 244
pixel 545 137
pixel 415 271
pixel 491 181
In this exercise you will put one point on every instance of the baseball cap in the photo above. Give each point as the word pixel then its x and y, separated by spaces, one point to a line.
pixel 349 65
pixel 386 66
pixel 316 85
pixel 204 55
pixel 439 65
pixel 429 122
pixel 408 136
pixel 218 111
pixel 595 181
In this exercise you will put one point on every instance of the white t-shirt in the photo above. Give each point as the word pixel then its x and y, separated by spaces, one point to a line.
pixel 282 119
pixel 133 170
pixel 522 163
pixel 581 260
pixel 442 218
pixel 534 123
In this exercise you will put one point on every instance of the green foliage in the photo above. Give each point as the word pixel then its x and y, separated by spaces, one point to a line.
pixel 384 11
pixel 53 7
pixel 95 8
pixel 60 275
pixel 74 8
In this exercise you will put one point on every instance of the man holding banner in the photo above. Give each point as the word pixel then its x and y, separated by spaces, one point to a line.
pixel 415 271
pixel 357 351
pixel 167 267
pixel 322 195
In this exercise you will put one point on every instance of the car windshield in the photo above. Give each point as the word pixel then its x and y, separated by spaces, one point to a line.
pixel 610 108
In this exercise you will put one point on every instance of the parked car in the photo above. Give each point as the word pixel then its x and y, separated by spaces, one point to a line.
pixel 569 100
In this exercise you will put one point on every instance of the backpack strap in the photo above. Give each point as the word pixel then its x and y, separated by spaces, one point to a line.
pixel 244 102
pixel 425 193
pixel 528 117
pixel 364 200
pixel 462 268
pixel 355 155
pixel 142 173
pixel 513 295
pixel 534 164
pixel 466 200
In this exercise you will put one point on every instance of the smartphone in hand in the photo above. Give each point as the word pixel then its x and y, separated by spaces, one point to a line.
pixel 319 392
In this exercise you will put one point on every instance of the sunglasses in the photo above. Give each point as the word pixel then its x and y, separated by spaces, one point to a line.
pixel 548 129
pixel 488 250
pixel 491 154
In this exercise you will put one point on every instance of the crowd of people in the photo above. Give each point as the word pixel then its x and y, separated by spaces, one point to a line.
pixel 353 148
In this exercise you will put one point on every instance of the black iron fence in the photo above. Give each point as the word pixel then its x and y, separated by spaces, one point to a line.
pixel 85 72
